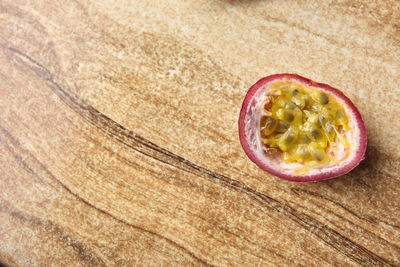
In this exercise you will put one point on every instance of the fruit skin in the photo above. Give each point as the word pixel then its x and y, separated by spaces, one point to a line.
pixel 362 142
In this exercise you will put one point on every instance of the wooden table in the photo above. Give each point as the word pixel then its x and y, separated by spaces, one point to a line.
pixel 119 140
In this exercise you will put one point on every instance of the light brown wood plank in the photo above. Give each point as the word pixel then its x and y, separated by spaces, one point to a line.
pixel 119 144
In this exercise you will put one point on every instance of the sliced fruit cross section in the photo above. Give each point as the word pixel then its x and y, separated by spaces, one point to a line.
pixel 301 130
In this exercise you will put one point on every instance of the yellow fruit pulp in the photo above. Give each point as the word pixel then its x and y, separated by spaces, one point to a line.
pixel 303 122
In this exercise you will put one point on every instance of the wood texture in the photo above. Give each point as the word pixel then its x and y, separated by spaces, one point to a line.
pixel 119 144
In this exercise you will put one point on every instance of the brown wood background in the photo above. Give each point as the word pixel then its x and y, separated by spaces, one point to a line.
pixel 119 144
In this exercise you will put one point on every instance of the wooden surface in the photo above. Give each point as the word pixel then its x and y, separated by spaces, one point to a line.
pixel 119 141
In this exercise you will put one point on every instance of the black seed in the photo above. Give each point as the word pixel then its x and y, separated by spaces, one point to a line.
pixel 318 156
pixel 306 100
pixel 289 117
pixel 295 92
pixel 323 98
pixel 282 127
pixel 289 138
pixel 304 139
pixel 316 134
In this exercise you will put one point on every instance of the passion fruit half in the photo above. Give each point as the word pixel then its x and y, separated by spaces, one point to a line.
pixel 300 130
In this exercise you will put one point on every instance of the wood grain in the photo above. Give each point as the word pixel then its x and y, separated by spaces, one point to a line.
pixel 119 144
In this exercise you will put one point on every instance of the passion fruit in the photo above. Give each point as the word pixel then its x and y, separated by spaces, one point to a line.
pixel 300 130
